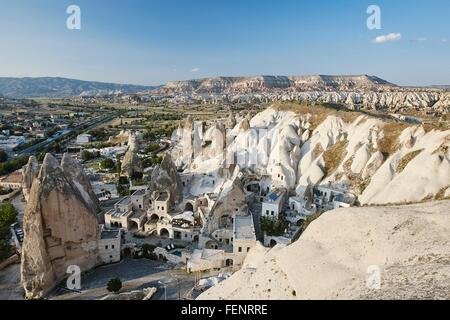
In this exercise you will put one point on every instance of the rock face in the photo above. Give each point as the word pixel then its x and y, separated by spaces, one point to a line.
pixel 77 176
pixel 131 164
pixel 60 230
pixel 165 178
pixel 344 250
pixel 357 92
pixel 30 172
pixel 252 84
pixel 231 121
pixel 373 159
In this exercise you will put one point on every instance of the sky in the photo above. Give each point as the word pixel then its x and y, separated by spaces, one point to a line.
pixel 150 42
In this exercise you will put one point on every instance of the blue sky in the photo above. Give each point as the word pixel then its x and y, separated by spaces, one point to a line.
pixel 155 41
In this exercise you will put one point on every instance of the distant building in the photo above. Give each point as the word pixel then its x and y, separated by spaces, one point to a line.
pixel 84 138
pixel 12 180
pixel 11 142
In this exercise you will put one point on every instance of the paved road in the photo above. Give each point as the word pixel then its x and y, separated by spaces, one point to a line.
pixel 61 134
pixel 135 275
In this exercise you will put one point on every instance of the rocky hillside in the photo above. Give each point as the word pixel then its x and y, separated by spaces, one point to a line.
pixel 55 87
pixel 344 250
pixel 381 162
pixel 356 92
pixel 263 83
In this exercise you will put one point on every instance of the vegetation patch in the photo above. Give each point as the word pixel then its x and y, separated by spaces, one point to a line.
pixel 403 163
pixel 273 227
pixel 317 151
pixel 389 143
pixel 333 156
pixel 319 111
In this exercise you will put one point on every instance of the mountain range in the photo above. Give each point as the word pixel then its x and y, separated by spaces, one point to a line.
pixel 56 87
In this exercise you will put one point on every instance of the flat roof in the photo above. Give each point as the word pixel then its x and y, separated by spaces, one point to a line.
pixel 110 234
pixel 244 228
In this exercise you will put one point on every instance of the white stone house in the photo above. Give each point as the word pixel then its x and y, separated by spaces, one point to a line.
pixel 109 245
pixel 272 204
pixel 84 138
pixel 244 238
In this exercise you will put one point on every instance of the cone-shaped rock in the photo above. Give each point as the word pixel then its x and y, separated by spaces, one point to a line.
pixel 30 172
pixel 76 175
pixel 60 231
pixel 231 121
pixel 165 178
pixel 131 164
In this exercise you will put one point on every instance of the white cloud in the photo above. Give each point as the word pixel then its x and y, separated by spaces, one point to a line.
pixel 444 40
pixel 388 38
pixel 195 70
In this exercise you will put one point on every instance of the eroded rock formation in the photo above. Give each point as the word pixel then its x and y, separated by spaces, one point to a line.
pixel 30 172
pixel 77 176
pixel 60 230
pixel 165 178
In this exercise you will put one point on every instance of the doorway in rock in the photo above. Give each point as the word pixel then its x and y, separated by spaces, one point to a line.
pixel 273 243
pixel 189 207
pixel 229 262
pixel 164 233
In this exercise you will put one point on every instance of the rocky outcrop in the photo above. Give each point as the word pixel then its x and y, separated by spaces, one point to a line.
pixel 165 178
pixel 131 164
pixel 231 121
pixel 356 92
pixel 355 253
pixel 261 83
pixel 77 176
pixel 30 172
pixel 60 230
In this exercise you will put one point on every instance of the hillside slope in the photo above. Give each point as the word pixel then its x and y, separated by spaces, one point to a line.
pixel 55 87
pixel 332 258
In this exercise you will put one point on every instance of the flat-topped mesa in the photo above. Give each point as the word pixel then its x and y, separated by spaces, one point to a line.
pixel 30 172
pixel 60 230
pixel 261 83
pixel 165 178
pixel 77 176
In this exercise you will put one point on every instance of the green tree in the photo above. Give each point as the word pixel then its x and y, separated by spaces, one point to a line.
pixel 86 155
pixel 5 250
pixel 3 155
pixel 107 163
pixel 8 215
pixel 114 285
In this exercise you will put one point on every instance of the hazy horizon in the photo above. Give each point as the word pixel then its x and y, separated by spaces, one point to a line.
pixel 154 42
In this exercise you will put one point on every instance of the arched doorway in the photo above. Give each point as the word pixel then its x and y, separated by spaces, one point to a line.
pixel 189 207
pixel 177 235
pixel 164 233
pixel 229 262
pixel 195 238
pixel 154 218
pixel 273 243
pixel 211 245
pixel 133 225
